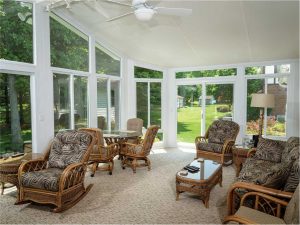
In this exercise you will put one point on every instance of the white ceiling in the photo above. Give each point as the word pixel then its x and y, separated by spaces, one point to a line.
pixel 218 32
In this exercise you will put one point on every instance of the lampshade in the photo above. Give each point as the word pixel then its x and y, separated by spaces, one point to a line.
pixel 263 100
pixel 144 14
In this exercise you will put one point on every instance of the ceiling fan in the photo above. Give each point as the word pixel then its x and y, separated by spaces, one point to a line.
pixel 144 11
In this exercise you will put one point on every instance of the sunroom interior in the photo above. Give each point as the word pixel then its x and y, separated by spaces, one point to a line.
pixel 65 65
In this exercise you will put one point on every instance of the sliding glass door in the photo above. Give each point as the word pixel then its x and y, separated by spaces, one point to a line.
pixel 199 105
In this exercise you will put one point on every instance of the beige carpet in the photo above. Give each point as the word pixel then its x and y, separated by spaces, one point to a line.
pixel 126 198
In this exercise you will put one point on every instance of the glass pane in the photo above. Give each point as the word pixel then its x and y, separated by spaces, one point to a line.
pixel 276 118
pixel 69 47
pixel 140 72
pixel 62 108
pixel 106 63
pixel 102 104
pixel 254 70
pixel 218 103
pixel 188 112
pixel 15 112
pixel 207 73
pixel 80 102
pixel 142 102
pixel 115 104
pixel 155 104
pixel 253 86
pixel 16 33
pixel 271 69
pixel 285 68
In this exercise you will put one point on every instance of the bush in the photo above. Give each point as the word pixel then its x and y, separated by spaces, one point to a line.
pixel 224 108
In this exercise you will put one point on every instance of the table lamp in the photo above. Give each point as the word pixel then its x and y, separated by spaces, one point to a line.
pixel 262 101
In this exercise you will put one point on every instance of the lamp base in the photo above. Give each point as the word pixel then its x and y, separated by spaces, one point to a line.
pixel 255 140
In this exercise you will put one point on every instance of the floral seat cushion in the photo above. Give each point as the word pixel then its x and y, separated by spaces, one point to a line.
pixel 47 179
pixel 211 147
pixel 222 130
pixel 68 147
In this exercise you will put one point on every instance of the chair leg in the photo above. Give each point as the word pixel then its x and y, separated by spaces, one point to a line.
pixel 134 163
pixel 148 164
pixel 123 163
pixel 111 166
pixel 2 187
pixel 94 168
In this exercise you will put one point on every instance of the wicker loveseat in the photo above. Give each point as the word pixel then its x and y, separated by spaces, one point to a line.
pixel 273 167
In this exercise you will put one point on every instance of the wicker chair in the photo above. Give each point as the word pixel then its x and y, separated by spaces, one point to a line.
pixel 135 124
pixel 269 205
pixel 218 141
pixel 58 178
pixel 134 152
pixel 101 153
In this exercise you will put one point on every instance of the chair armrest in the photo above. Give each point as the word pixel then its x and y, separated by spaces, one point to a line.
pixel 72 175
pixel 276 210
pixel 130 148
pixel 200 139
pixel 112 149
pixel 251 152
pixel 227 146
pixel 250 188
pixel 32 165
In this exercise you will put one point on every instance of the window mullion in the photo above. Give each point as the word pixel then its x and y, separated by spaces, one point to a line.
pixel 149 107
pixel 109 104
pixel 72 111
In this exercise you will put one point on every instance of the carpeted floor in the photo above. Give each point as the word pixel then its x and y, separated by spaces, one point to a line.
pixel 126 198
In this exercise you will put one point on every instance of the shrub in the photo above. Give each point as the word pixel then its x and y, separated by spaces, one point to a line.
pixel 223 108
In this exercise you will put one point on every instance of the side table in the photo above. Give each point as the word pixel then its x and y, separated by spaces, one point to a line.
pixel 239 157
pixel 9 169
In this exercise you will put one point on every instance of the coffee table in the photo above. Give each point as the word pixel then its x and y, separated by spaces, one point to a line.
pixel 201 182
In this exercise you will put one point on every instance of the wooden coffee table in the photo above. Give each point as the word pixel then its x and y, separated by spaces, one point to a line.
pixel 201 182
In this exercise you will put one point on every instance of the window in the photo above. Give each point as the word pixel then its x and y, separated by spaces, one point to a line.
pixel 115 104
pixel 15 112
pixel 207 73
pixel 272 69
pixel 69 46
pixel 106 62
pixel 140 72
pixel 102 103
pixel 70 102
pixel 275 118
pixel 16 31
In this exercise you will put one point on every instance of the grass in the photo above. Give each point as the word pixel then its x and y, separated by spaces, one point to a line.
pixel 189 121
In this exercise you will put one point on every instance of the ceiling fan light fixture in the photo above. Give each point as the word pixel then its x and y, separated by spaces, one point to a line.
pixel 144 14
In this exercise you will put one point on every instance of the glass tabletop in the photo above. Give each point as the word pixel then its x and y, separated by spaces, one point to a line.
pixel 120 133
pixel 207 168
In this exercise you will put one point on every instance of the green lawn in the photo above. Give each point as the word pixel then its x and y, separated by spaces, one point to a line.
pixel 189 123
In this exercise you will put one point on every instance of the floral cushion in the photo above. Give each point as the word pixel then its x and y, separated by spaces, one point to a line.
pixel 293 178
pixel 291 143
pixel 211 147
pixel 221 130
pixel 253 168
pixel 47 179
pixel 276 177
pixel 270 150
pixel 68 147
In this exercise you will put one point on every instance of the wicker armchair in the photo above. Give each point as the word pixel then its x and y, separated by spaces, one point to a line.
pixel 268 206
pixel 135 124
pixel 101 153
pixel 58 178
pixel 134 152
pixel 218 141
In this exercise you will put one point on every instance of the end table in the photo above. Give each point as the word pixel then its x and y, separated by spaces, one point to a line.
pixel 239 156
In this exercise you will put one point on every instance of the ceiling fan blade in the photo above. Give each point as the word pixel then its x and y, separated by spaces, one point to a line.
pixel 118 17
pixel 173 11
pixel 118 3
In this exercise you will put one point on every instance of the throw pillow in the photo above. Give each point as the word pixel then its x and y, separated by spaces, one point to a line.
pixel 291 143
pixel 270 150
pixel 293 178
pixel 276 177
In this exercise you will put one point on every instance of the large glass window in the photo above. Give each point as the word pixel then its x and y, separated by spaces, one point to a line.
pixel 67 87
pixel 115 104
pixel 102 104
pixel 142 102
pixel 107 62
pixel 15 112
pixel 80 102
pixel 207 73
pixel 189 111
pixel 16 32
pixel 62 102
pixel 140 72
pixel 218 103
pixel 69 46
pixel 275 124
